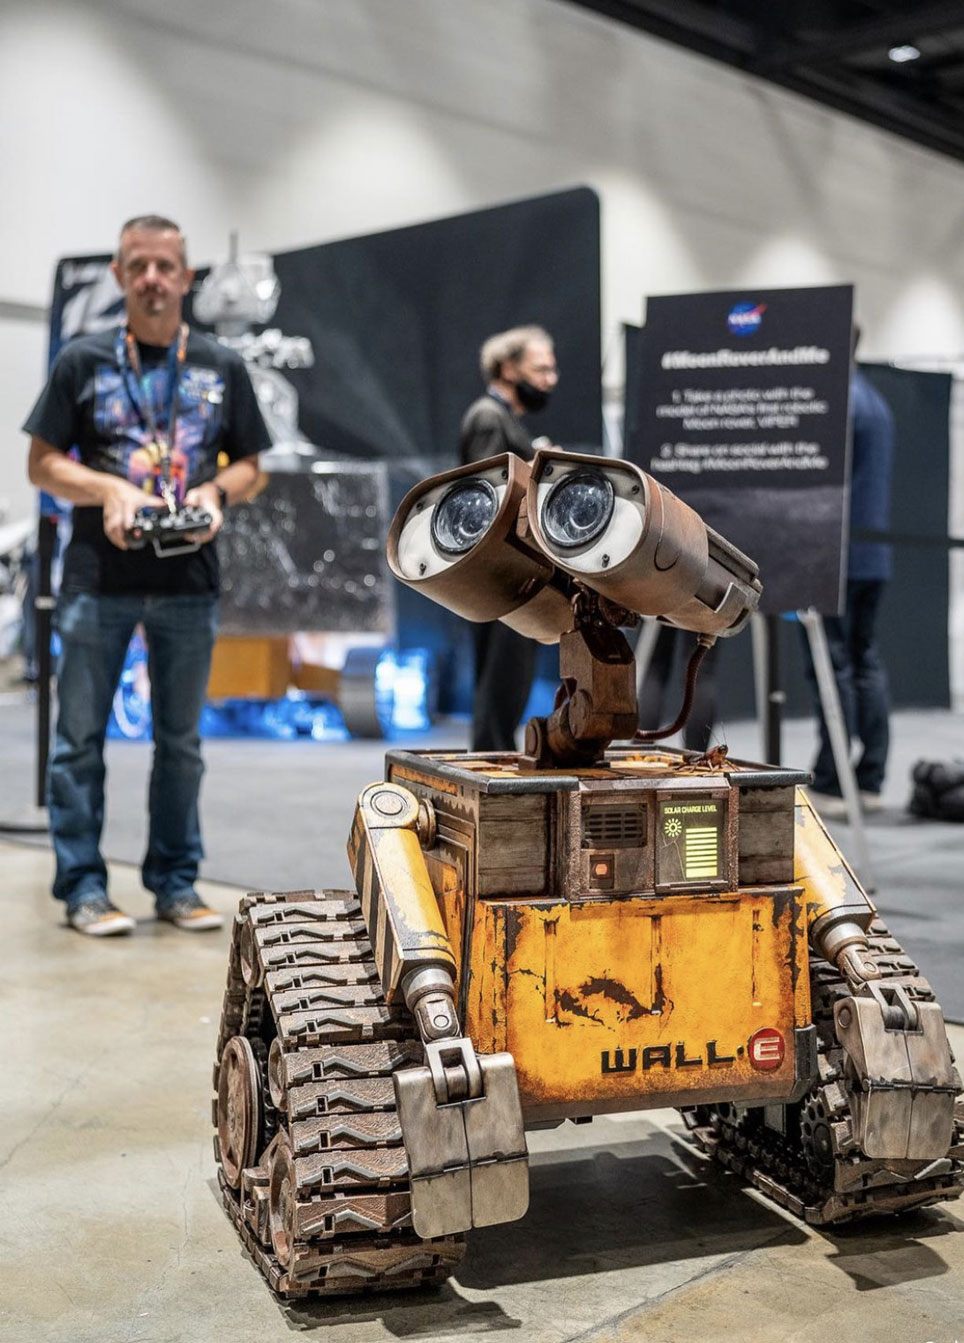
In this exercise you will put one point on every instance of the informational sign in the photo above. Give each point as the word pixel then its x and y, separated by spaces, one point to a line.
pixel 741 409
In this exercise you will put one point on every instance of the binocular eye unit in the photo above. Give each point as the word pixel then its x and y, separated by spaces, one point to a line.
pixel 503 539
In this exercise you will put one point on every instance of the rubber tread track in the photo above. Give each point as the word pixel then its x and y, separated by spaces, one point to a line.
pixel 821 1176
pixel 301 969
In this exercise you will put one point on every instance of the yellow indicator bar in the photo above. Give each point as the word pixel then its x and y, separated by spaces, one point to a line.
pixel 700 857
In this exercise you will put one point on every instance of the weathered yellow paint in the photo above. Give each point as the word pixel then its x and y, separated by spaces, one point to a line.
pixel 820 868
pixel 450 897
pixel 560 986
pixel 409 899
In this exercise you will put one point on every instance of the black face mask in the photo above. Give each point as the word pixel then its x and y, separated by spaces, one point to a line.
pixel 532 398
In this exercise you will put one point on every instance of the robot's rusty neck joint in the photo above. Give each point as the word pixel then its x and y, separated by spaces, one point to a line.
pixel 591 610
pixel 596 700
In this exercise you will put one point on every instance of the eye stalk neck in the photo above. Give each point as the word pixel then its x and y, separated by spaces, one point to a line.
pixel 596 700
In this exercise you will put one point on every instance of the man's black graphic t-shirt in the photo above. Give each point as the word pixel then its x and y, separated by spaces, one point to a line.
pixel 94 402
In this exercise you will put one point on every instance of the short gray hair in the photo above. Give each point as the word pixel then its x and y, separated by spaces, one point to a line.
pixel 152 224
pixel 507 347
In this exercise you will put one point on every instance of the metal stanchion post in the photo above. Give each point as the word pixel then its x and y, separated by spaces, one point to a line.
pixel 34 819
pixel 43 608
pixel 645 643
pixel 760 635
pixel 775 695
pixel 839 738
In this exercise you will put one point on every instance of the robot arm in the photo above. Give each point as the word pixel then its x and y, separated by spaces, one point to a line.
pixel 460 1113
pixel 898 1066
pixel 839 912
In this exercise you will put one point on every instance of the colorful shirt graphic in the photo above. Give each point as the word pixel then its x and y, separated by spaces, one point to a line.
pixel 125 432
pixel 94 404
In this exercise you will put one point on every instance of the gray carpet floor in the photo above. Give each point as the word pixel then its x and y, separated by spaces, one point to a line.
pixel 276 816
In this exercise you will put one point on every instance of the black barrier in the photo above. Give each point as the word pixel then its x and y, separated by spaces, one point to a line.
pixel 43 626
pixel 396 319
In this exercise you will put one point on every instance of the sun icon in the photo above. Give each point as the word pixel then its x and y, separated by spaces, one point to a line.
pixel 673 827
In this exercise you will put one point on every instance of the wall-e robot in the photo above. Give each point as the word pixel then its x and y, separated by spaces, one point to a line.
pixel 575 930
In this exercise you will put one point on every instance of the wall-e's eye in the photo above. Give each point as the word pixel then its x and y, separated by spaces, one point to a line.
pixel 457 539
pixel 463 515
pixel 577 508
pixel 619 532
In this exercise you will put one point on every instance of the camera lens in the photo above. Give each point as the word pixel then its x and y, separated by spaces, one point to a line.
pixel 578 509
pixel 463 515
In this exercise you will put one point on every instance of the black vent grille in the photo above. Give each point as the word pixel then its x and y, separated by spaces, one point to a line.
pixel 614 827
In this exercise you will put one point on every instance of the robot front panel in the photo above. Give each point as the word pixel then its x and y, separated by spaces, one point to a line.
pixel 643 1002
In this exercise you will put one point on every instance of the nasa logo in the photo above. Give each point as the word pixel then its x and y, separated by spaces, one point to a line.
pixel 744 319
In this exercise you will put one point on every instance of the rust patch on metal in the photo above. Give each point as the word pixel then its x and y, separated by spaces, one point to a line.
pixel 531 974
pixel 617 993
pixel 513 930
pixel 570 1003
pixel 779 904
pixel 784 901
pixel 797 932
pixel 660 999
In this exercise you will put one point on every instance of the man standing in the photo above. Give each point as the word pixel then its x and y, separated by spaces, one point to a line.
pixel 519 369
pixel 852 638
pixel 156 413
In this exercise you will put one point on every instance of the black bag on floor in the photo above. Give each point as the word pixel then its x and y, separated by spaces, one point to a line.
pixel 938 790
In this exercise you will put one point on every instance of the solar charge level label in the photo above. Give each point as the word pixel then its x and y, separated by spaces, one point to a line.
pixel 690 840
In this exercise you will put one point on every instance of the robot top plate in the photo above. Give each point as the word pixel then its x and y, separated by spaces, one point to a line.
pixel 495 772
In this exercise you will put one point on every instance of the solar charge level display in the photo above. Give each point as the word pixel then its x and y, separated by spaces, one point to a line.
pixel 689 840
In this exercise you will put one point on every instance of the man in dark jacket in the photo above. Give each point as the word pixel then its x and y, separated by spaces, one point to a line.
pixel 519 370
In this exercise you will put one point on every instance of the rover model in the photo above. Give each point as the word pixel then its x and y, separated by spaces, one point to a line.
pixel 595 924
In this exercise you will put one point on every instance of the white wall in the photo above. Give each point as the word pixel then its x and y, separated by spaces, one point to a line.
pixel 301 121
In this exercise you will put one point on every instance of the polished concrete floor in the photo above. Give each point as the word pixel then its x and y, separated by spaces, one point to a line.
pixel 113 1232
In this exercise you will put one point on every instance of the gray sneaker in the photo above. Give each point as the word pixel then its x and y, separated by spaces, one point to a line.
pixel 97 917
pixel 190 913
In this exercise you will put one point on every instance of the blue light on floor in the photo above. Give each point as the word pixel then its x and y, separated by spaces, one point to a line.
pixel 409 676
pixel 295 715
pixel 404 689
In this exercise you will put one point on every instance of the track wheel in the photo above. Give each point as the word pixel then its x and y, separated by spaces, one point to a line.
pixel 282 1201
pixel 239 1108
pixel 816 1139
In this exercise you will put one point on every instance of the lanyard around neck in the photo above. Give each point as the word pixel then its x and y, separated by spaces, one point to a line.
pixel 129 361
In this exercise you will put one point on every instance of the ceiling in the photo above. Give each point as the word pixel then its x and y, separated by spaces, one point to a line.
pixel 835 51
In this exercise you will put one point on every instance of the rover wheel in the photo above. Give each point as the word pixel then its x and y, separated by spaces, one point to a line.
pixel 815 1137
pixel 282 1200
pixel 314 1173
pixel 238 1108
pixel 276 1081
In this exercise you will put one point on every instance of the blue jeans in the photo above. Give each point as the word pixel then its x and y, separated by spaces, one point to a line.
pixel 862 685
pixel 94 633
